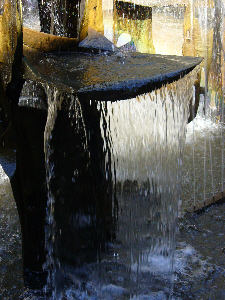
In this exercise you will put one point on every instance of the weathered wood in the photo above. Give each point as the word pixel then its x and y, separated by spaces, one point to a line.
pixel 216 199
pixel 11 36
pixel 48 43
pixel 10 30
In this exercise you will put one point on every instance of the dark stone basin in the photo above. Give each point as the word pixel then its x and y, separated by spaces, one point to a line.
pixel 124 75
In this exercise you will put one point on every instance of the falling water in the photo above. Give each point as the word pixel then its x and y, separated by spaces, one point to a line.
pixel 211 160
pixel 142 144
pixel 208 20
pixel 30 14
pixel 193 150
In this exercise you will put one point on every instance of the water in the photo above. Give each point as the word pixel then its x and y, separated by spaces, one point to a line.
pixel 208 151
pixel 119 270
pixel 199 260
pixel 30 14
pixel 141 139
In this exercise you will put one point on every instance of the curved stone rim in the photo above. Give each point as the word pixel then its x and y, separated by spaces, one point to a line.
pixel 107 76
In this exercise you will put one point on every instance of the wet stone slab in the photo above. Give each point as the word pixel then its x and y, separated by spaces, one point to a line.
pixel 107 76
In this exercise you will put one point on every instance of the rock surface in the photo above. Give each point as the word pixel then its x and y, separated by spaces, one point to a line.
pixel 107 76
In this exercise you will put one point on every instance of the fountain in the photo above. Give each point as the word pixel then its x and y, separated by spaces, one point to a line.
pixel 116 213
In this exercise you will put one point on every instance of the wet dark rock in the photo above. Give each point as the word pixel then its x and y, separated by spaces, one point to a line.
pixel 97 41
pixel 107 76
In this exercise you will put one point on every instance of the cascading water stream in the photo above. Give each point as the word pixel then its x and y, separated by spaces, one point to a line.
pixel 206 91
pixel 210 18
pixel 52 264
pixel 30 14
pixel 211 161
pixel 142 144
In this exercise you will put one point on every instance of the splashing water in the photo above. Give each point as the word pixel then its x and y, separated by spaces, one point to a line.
pixel 30 14
pixel 113 192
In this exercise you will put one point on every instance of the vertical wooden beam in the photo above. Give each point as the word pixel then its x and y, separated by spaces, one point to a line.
pixel 10 33
pixel 93 18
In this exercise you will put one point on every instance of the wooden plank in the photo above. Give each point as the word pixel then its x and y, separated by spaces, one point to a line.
pixel 48 43
pixel 216 199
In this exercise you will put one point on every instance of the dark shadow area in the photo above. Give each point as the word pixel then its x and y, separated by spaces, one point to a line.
pixel 80 182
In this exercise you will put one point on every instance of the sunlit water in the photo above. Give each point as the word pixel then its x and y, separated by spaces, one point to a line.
pixel 204 145
pixel 143 141
pixel 31 15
